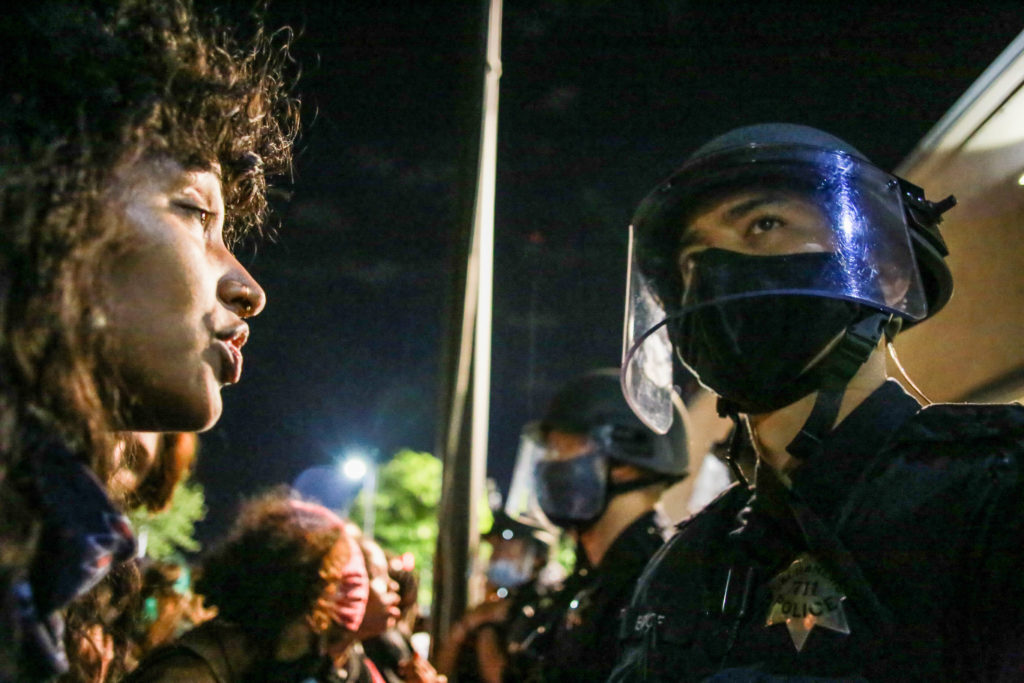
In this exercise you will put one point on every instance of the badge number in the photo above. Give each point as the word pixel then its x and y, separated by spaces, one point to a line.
pixel 804 596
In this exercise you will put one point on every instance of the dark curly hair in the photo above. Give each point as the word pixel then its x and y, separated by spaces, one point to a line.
pixel 274 566
pixel 88 86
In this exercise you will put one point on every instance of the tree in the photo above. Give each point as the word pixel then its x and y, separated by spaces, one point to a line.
pixel 405 509
pixel 169 533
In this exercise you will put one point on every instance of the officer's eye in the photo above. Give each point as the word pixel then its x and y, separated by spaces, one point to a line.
pixel 764 224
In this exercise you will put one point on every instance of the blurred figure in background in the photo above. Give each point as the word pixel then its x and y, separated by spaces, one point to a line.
pixel 291 589
pixel 382 614
pixel 150 467
pixel 169 607
pixel 394 646
pixel 476 649
pixel 600 477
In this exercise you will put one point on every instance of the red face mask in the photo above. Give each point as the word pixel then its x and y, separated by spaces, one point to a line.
pixel 347 605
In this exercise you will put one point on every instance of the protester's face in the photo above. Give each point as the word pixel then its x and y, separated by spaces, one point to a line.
pixel 382 610
pixel 346 596
pixel 175 297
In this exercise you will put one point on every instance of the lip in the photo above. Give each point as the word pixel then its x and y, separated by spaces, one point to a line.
pixel 230 343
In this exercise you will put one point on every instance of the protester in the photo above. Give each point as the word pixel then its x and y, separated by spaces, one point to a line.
pixel 382 614
pixel 134 148
pixel 290 588
pixel 394 646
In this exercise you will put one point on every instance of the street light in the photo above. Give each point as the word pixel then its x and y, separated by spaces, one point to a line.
pixel 358 466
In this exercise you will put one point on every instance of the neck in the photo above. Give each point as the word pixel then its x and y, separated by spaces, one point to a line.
pixel 622 510
pixel 772 432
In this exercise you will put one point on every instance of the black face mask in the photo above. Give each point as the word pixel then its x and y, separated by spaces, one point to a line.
pixel 573 492
pixel 755 351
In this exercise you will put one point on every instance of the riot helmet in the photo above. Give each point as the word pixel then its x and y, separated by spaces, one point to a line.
pixel 573 489
pixel 769 265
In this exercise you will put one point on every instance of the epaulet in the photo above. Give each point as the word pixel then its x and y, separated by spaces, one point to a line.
pixel 963 422
pixel 736 495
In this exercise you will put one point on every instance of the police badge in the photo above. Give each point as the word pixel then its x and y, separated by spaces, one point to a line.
pixel 804 596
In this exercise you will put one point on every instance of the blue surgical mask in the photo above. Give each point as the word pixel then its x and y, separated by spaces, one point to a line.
pixel 508 573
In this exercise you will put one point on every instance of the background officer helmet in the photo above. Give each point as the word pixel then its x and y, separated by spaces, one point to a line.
pixel 575 491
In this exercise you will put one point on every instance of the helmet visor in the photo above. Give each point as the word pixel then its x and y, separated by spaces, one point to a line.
pixel 754 222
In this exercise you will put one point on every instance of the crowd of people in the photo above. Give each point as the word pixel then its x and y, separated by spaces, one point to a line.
pixel 863 536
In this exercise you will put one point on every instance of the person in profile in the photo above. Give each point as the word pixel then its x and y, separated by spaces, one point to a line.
pixel 135 147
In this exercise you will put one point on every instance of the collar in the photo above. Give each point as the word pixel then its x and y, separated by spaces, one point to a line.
pixel 632 548
pixel 824 482
pixel 768 528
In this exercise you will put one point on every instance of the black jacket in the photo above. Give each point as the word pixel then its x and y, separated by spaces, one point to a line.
pixel 577 639
pixel 913 519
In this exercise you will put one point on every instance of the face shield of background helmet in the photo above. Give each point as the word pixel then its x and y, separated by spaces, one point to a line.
pixel 771 201
pixel 521 502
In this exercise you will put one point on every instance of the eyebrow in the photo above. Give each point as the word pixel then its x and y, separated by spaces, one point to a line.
pixel 691 237
pixel 745 207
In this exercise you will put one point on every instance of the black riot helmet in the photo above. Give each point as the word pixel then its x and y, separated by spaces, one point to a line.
pixel 758 253
pixel 575 491
pixel 506 527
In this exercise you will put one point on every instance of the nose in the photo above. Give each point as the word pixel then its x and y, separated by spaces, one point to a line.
pixel 239 291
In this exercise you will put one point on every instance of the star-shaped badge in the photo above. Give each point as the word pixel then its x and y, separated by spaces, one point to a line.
pixel 805 596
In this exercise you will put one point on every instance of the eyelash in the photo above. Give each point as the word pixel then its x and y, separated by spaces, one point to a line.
pixel 205 217
pixel 756 225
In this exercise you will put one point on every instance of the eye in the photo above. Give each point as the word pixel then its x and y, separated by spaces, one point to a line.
pixel 199 214
pixel 764 224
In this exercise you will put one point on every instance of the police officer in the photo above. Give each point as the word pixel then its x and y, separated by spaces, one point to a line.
pixel 476 648
pixel 600 477
pixel 879 540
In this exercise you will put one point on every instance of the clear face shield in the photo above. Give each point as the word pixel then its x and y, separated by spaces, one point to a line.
pixel 730 233
pixel 521 502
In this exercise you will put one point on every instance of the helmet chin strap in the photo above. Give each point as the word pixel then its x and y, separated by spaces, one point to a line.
pixel 836 370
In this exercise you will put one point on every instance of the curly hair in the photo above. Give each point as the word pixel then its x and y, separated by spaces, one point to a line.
pixel 90 85
pixel 274 566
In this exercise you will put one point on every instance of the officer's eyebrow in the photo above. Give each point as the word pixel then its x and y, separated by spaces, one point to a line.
pixel 744 207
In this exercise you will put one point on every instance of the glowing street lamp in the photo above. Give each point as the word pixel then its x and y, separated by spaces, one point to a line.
pixel 354 468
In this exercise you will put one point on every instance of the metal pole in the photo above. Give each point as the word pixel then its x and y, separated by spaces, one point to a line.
pixel 484 227
pixel 465 438
pixel 369 498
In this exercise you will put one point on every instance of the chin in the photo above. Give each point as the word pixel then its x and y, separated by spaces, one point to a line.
pixel 174 412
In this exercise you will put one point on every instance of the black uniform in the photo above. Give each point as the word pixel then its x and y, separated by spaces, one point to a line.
pixel 576 639
pixel 909 527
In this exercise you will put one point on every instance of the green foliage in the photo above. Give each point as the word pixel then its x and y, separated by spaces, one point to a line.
pixel 406 509
pixel 170 532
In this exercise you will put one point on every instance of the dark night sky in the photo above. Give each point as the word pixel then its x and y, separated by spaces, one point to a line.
pixel 599 100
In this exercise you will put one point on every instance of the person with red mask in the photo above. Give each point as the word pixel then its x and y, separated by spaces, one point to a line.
pixel 291 588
